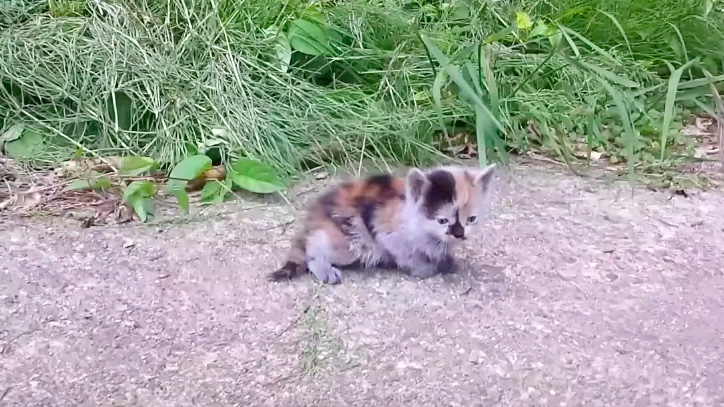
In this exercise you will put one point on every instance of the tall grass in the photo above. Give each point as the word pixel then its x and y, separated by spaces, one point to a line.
pixel 165 78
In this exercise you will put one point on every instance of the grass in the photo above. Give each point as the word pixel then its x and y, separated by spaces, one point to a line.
pixel 298 84
pixel 319 344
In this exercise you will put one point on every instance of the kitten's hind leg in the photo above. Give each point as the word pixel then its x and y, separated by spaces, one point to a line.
pixel 321 250
pixel 324 271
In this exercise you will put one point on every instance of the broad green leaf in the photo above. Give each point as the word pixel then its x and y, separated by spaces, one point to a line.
pixel 27 146
pixel 142 206
pixel 143 189
pixel 86 184
pixel 522 21
pixel 133 165
pixel 177 188
pixel 540 29
pixel 554 36
pixel 255 176
pixel 284 52
pixel 495 37
pixel 191 167
pixel 215 191
pixel 210 191
pixel 282 48
pixel 307 37
pixel 11 134
pixel 313 13
pixel 461 11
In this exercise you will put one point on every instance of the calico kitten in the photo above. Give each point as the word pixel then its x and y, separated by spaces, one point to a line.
pixel 407 223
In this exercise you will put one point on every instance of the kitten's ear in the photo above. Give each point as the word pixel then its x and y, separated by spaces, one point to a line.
pixel 482 178
pixel 416 184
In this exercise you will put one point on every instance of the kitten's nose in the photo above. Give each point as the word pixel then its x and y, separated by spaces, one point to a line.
pixel 457 230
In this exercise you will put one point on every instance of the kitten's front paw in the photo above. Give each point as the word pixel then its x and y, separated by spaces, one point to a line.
pixel 448 265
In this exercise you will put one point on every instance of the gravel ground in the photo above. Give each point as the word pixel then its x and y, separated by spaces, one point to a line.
pixel 577 295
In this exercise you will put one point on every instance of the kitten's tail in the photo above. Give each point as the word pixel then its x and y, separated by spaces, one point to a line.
pixel 295 263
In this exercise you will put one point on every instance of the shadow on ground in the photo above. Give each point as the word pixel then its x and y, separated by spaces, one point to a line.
pixel 577 295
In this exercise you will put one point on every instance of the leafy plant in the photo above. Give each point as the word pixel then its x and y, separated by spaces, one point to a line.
pixel 298 84
pixel 139 194
pixel 22 143
pixel 254 176
pixel 185 171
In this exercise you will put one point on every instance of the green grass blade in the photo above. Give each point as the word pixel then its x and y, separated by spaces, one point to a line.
pixel 481 124
pixel 614 20
pixel 455 75
pixel 612 77
pixel 566 31
pixel 670 101
pixel 706 108
pixel 437 85
pixel 629 132
pixel 484 59
pixel 570 41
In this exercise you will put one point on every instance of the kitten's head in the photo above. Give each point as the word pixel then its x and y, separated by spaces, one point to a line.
pixel 449 202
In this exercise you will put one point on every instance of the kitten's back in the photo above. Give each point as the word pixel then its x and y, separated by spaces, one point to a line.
pixel 351 213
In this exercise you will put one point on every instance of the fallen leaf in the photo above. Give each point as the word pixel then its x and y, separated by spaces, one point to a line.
pixel 78 167
pixel 218 173
pixel 24 200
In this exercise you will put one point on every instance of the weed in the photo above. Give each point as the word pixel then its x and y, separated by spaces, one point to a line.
pixel 303 83
pixel 319 344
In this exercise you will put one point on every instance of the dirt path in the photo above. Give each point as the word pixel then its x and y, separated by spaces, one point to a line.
pixel 577 296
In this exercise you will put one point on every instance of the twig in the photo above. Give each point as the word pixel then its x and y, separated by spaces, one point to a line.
pixel 284 226
pixel 570 282
pixel 286 200
pixel 18 336
pixel 281 379
pixel 5 393
pixel 306 309
pixel 350 367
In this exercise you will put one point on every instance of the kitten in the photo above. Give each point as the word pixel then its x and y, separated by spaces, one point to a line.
pixel 408 223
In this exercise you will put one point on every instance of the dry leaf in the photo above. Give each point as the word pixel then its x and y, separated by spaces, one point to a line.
pixel 217 173
pixel 24 200
pixel 78 167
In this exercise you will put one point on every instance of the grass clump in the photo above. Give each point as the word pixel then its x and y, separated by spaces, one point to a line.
pixel 298 83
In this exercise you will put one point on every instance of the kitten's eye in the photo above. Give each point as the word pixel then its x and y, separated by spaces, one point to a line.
pixel 472 219
pixel 442 221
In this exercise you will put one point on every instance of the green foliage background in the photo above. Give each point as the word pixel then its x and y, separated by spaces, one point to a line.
pixel 299 83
